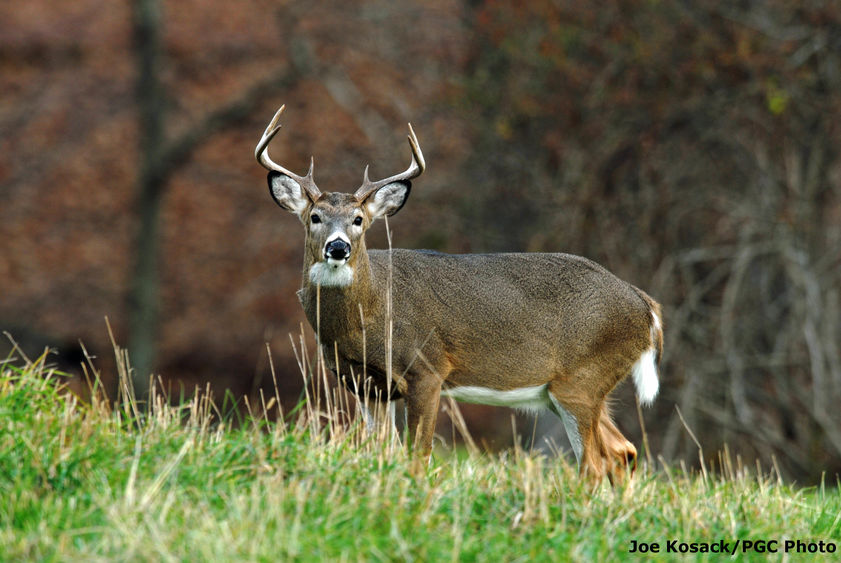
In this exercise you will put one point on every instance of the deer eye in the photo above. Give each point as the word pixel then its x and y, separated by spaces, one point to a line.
pixel 315 218
pixel 357 221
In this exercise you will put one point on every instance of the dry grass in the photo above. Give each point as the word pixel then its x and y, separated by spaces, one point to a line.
pixel 160 483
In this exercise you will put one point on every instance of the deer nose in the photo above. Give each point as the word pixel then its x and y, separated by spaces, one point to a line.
pixel 337 250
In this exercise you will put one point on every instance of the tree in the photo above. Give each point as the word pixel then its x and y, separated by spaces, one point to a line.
pixel 160 157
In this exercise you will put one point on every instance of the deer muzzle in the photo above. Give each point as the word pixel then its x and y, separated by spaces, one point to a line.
pixel 337 250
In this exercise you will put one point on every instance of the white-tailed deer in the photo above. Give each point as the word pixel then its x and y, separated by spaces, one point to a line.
pixel 523 330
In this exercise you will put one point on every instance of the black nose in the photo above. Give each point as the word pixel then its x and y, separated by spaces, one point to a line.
pixel 337 249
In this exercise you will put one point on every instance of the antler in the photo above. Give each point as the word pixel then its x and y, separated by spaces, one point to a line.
pixel 261 153
pixel 415 169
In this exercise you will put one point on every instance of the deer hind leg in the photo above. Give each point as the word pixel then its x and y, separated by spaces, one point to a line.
pixel 580 417
pixel 600 448
pixel 621 455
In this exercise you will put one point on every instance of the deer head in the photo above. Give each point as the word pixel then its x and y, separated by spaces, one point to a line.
pixel 336 222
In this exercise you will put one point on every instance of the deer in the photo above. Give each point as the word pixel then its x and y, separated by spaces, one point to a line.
pixel 530 331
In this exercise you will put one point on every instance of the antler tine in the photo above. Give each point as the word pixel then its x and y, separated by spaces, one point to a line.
pixel 415 169
pixel 261 153
pixel 416 151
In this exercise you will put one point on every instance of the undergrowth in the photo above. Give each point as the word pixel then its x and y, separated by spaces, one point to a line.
pixel 97 482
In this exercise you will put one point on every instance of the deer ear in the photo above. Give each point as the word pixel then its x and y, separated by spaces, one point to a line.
pixel 287 193
pixel 388 199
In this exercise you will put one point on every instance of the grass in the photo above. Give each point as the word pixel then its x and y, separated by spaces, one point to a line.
pixel 96 483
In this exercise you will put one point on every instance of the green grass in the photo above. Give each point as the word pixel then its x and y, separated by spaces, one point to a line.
pixel 88 483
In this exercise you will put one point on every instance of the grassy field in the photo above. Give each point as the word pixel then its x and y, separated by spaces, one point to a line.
pixel 88 483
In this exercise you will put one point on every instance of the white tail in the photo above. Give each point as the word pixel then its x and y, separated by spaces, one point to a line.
pixel 644 371
pixel 645 377
pixel 523 330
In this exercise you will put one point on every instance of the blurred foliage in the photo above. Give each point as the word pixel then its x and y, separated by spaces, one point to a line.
pixel 691 147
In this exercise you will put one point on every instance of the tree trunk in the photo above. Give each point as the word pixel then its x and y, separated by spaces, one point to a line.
pixel 159 158
pixel 143 297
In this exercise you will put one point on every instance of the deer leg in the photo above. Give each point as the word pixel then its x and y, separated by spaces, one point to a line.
pixel 369 414
pixel 621 454
pixel 570 426
pixel 378 416
pixel 422 400
pixel 580 418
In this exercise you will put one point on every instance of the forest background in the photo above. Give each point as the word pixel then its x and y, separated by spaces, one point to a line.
pixel 691 147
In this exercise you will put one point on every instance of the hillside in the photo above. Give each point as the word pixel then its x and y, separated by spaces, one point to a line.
pixel 87 483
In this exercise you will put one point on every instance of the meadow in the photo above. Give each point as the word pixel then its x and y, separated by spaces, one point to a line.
pixel 98 482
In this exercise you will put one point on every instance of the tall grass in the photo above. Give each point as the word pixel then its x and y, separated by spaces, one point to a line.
pixel 157 482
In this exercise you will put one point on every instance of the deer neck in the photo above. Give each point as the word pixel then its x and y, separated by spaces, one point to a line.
pixel 333 311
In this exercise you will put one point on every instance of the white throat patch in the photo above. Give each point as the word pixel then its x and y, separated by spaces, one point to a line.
pixel 331 273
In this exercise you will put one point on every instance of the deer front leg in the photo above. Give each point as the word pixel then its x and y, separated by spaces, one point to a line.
pixel 422 399
pixel 379 417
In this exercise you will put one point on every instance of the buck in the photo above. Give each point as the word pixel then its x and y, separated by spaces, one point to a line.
pixel 523 330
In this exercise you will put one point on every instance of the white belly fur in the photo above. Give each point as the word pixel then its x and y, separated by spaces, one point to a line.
pixel 526 398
